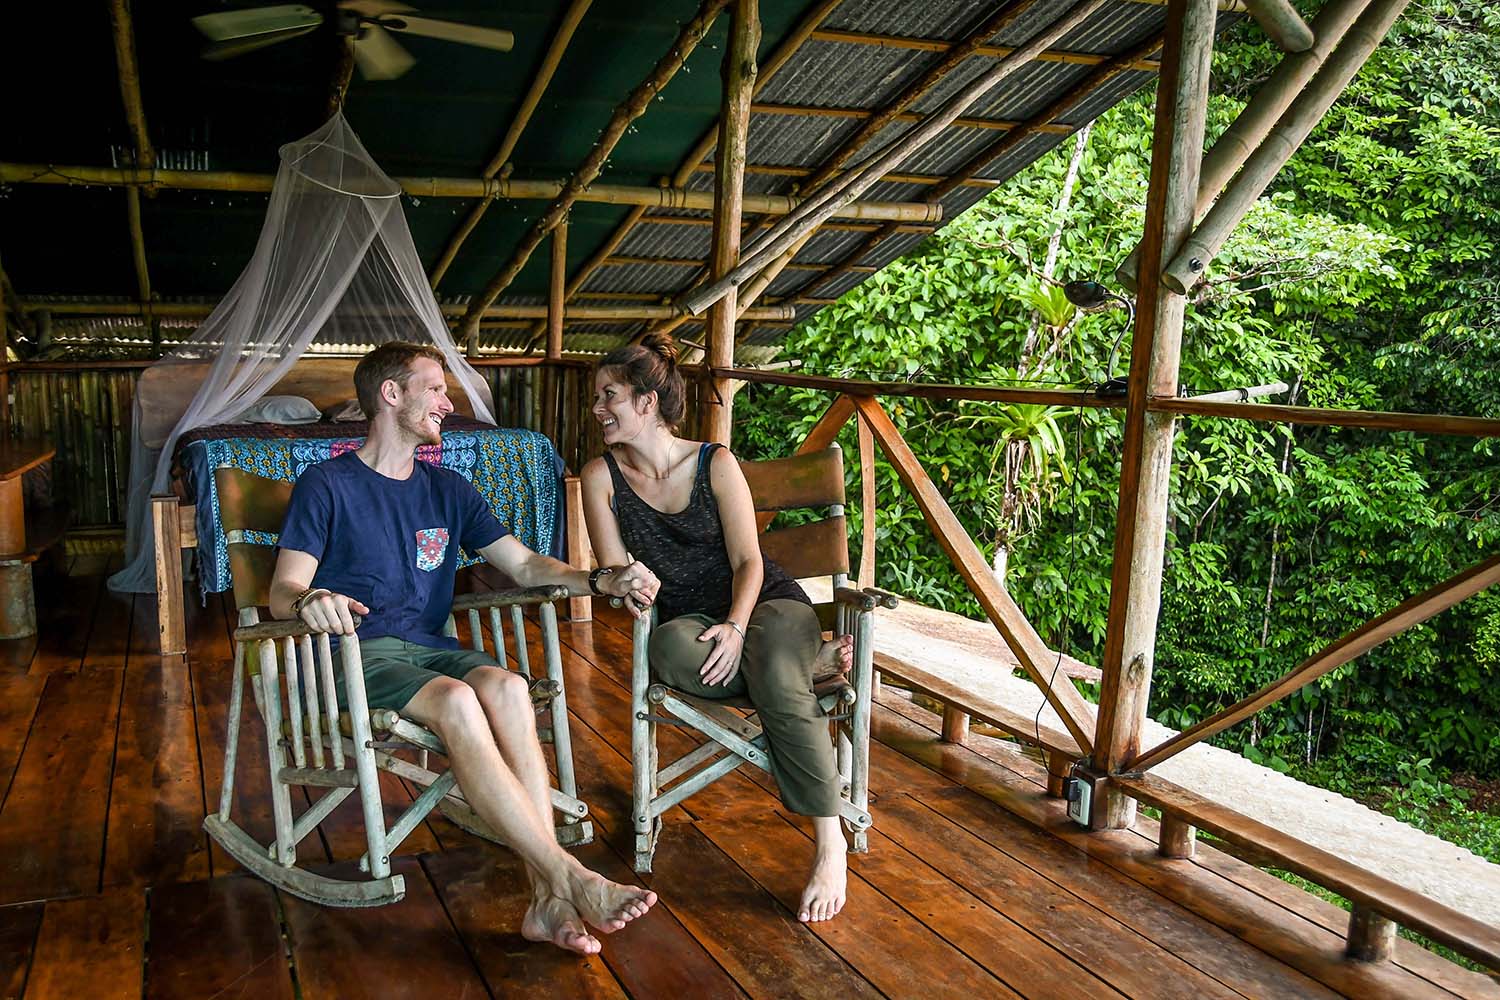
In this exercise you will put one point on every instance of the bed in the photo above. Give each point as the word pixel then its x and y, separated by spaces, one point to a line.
pixel 517 471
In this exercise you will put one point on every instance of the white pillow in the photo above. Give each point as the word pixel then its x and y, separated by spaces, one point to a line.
pixel 281 410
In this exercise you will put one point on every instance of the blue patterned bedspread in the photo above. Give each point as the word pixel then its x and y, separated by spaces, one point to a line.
pixel 517 471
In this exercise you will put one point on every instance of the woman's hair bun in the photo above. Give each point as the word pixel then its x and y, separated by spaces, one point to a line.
pixel 662 345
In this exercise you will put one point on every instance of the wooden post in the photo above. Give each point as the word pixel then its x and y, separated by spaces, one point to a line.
pixel 955 725
pixel 580 556
pixel 717 405
pixel 1146 461
pixel 1371 935
pixel 167 537
pixel 1178 838
pixel 555 296
pixel 1058 766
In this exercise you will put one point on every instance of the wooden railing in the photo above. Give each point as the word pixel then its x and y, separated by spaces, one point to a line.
pixel 1378 903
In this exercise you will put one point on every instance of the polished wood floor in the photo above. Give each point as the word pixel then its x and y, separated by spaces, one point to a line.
pixel 976 885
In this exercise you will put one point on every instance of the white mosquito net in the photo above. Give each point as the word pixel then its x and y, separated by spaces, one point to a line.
pixel 335 265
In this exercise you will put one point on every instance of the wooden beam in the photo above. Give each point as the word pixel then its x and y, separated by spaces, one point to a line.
pixel 1403 616
pixel 1280 20
pixel 1146 459
pixel 924 390
pixel 1464 934
pixel 1296 124
pixel 827 111
pixel 135 116
pixel 849 185
pixel 1249 128
pixel 628 111
pixel 577 313
pixel 625 261
pixel 716 406
pixel 342 75
pixel 896 177
pixel 555 297
pixel 1032 653
pixel 456 187
pixel 138 246
pixel 946 45
pixel 827 227
pixel 1421 423
pixel 932 75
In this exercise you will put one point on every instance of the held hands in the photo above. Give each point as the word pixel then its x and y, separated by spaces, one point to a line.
pixel 325 611
pixel 636 584
pixel 724 662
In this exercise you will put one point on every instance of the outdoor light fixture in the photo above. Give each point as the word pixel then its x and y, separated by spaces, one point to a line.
pixel 1090 296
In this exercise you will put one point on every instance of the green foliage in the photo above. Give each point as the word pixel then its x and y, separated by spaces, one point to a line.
pixel 1367 274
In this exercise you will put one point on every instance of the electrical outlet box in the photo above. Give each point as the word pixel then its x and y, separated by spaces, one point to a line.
pixel 1080 796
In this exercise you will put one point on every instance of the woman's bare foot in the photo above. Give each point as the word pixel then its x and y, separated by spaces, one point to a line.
pixel 607 905
pixel 836 656
pixel 555 920
pixel 826 886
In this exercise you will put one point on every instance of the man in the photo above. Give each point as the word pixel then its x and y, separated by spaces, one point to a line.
pixel 375 533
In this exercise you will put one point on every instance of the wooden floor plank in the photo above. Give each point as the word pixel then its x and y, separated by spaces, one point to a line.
pixel 18 928
pixel 220 938
pixel 91 947
pixel 1282 936
pixel 155 832
pixel 19 697
pixel 110 634
pixel 757 941
pixel 52 823
pixel 406 950
pixel 890 948
pixel 65 608
pixel 486 895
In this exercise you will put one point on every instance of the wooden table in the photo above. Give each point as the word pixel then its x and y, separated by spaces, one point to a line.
pixel 17 602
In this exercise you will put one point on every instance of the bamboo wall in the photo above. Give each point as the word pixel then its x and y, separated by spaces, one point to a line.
pixel 86 413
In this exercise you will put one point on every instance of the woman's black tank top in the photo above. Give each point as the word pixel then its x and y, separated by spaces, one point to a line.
pixel 686 550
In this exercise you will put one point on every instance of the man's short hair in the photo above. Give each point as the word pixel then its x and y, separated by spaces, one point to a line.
pixel 388 361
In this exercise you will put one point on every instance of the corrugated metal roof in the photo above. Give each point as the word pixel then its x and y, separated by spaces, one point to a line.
pixel 456 103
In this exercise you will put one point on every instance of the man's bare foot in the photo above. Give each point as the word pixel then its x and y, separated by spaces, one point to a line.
pixel 826 886
pixel 836 656
pixel 608 905
pixel 555 920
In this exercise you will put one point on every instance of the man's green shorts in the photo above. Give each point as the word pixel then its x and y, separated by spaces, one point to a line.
pixel 395 670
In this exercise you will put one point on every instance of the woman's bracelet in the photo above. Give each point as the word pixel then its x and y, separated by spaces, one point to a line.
pixel 736 626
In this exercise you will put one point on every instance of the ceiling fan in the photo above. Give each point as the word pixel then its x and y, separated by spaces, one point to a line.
pixel 368 22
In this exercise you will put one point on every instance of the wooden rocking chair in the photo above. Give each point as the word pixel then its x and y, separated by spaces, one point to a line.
pixel 820 548
pixel 307 723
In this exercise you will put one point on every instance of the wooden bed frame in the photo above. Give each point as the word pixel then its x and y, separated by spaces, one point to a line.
pixel 327 382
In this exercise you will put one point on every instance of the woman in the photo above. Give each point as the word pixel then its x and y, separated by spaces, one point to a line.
pixel 730 623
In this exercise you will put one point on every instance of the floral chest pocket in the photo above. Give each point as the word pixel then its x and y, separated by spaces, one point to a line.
pixel 432 548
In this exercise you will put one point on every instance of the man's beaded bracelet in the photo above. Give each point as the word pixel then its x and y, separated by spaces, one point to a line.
pixel 302 598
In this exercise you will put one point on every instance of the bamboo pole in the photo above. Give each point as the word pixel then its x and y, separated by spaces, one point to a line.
pixel 1146 459
pixel 1409 613
pixel 457 187
pixel 1260 114
pixel 572 312
pixel 854 182
pixel 135 116
pixel 1280 20
pixel 837 111
pixel 632 108
pixel 555 292
pixel 342 76
pixel 1421 423
pixel 716 410
pixel 539 83
pixel 1300 118
pixel 923 390
pixel 1239 395
pixel 934 74
pixel 138 247
pixel 946 45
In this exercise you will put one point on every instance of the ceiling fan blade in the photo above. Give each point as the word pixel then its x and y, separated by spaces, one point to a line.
pixel 452 31
pixel 218 51
pixel 231 24
pixel 380 57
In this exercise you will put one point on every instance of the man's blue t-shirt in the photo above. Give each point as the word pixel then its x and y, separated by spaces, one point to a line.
pixel 391 544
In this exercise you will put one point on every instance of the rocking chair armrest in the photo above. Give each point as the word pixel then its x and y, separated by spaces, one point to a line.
pixel 510 598
pixel 859 600
pixel 291 628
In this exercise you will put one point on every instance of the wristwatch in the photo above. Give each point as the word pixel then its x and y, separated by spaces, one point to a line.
pixel 594 576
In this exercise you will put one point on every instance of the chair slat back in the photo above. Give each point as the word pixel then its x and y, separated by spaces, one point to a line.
pixel 248 502
pixel 816 481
